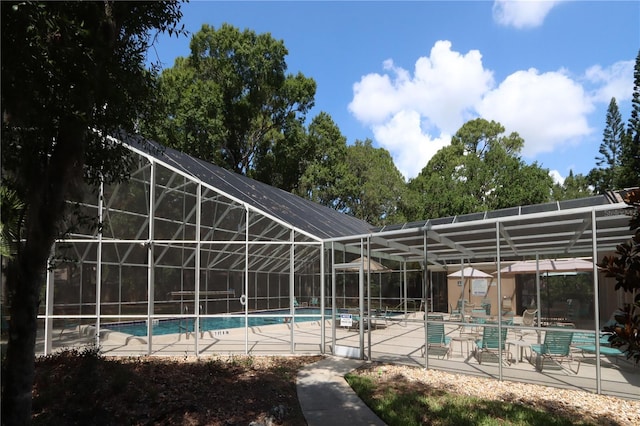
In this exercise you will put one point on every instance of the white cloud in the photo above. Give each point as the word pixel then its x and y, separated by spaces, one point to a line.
pixel 413 114
pixel 433 103
pixel 556 176
pixel 522 13
pixel 409 146
pixel 444 88
pixel 547 109
pixel 615 81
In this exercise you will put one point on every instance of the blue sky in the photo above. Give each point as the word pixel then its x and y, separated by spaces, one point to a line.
pixel 407 75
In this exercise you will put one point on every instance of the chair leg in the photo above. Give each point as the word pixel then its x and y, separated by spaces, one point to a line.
pixel 578 367
pixel 539 362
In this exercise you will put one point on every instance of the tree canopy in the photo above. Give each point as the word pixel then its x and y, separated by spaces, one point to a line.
pixel 607 175
pixel 481 170
pixel 72 74
pixel 630 174
pixel 231 101
pixel 322 164
pixel 573 187
pixel 371 186
pixel 618 162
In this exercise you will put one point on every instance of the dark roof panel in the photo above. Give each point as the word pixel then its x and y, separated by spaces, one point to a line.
pixel 317 220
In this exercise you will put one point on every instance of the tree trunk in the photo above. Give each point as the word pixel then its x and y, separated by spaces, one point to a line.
pixel 26 271
pixel 18 366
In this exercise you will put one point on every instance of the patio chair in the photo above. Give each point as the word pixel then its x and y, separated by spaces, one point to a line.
pixel 436 336
pixel 585 343
pixel 528 320
pixel 556 346
pixel 458 309
pixel 478 317
pixel 492 341
pixel 486 305
pixel 507 304
pixel 455 314
pixel 468 309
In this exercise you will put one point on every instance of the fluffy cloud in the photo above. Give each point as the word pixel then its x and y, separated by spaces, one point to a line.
pixel 546 109
pixel 414 115
pixel 444 88
pixel 611 82
pixel 556 176
pixel 409 145
pixel 522 13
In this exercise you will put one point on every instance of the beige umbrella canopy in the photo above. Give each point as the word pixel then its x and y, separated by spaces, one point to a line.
pixel 548 266
pixel 469 272
pixel 375 266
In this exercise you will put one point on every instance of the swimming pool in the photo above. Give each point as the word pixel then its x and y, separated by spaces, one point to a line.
pixel 181 325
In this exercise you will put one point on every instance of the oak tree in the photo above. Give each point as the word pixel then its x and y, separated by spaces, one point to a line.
pixel 231 101
pixel 480 170
pixel 72 74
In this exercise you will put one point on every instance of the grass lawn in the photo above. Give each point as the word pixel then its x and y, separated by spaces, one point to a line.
pixel 408 403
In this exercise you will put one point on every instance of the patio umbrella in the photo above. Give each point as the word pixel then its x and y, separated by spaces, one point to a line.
pixel 375 266
pixel 547 266
pixel 469 272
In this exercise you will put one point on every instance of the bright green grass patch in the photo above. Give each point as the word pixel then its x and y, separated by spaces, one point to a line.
pixel 406 406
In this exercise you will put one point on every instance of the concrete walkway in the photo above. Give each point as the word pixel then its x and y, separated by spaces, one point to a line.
pixel 327 399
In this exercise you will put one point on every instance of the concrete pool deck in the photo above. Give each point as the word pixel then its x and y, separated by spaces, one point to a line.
pixel 398 342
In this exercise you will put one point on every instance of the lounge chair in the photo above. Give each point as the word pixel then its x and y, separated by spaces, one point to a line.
pixel 585 343
pixel 394 317
pixel 556 346
pixel 436 336
pixel 492 341
pixel 454 314
pixel 478 318
pixel 605 350
pixel 470 329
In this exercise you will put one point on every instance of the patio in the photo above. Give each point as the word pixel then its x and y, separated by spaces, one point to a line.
pixel 398 342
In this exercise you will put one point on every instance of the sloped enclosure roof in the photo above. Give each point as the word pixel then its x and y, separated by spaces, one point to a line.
pixel 313 218
pixel 563 228
pixel 556 230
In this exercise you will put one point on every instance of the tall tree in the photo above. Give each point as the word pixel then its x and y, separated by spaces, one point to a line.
pixel 231 102
pixel 72 73
pixel 480 170
pixel 322 164
pixel 434 192
pixel 573 187
pixel 372 186
pixel 606 176
pixel 630 175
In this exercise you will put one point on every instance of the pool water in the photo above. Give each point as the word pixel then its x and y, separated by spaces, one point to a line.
pixel 173 326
